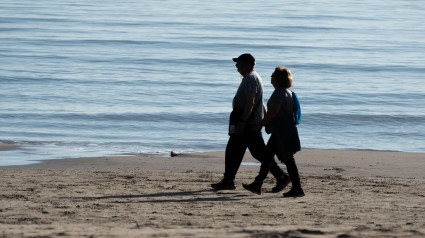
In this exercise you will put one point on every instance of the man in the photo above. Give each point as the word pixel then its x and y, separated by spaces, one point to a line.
pixel 247 111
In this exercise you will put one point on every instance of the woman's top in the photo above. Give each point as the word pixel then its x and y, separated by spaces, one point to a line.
pixel 283 127
pixel 283 118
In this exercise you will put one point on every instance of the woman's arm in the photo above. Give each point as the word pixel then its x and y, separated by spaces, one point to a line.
pixel 272 113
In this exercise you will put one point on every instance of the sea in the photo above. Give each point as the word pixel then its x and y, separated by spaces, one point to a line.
pixel 142 77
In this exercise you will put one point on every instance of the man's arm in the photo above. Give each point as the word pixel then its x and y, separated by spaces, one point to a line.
pixel 250 101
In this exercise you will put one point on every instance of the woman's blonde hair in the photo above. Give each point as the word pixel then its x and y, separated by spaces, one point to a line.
pixel 283 77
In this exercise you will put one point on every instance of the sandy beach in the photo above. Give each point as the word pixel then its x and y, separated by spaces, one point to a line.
pixel 348 194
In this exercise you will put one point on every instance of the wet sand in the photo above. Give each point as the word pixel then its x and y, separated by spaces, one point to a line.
pixel 4 146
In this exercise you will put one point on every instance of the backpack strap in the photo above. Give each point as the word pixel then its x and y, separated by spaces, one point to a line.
pixel 296 109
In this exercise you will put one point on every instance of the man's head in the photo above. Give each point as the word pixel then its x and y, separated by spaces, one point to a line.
pixel 245 64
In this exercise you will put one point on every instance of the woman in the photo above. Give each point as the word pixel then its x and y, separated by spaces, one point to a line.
pixel 284 141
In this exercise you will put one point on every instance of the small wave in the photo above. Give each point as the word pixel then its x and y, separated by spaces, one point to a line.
pixel 361 119
pixel 81 118
pixel 335 67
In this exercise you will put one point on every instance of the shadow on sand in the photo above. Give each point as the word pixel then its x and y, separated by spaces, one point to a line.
pixel 209 195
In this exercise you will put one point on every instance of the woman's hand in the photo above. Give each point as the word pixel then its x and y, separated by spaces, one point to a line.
pixel 257 127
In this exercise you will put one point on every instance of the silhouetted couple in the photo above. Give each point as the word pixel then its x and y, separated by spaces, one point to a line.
pixel 246 120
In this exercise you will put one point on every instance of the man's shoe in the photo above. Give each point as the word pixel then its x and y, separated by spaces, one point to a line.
pixel 224 185
pixel 281 184
pixel 254 187
pixel 294 193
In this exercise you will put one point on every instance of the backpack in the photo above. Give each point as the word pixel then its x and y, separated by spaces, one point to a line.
pixel 296 109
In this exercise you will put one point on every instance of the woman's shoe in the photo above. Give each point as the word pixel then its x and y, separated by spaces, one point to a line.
pixel 281 184
pixel 294 193
pixel 254 187
pixel 224 185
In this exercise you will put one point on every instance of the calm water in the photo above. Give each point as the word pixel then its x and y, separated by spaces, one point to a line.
pixel 93 78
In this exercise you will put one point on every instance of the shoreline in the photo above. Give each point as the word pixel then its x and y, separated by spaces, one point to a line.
pixel 350 163
pixel 361 163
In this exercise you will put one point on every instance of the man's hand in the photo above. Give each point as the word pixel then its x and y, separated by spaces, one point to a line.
pixel 239 128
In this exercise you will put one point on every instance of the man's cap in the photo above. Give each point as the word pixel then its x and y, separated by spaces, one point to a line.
pixel 245 58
